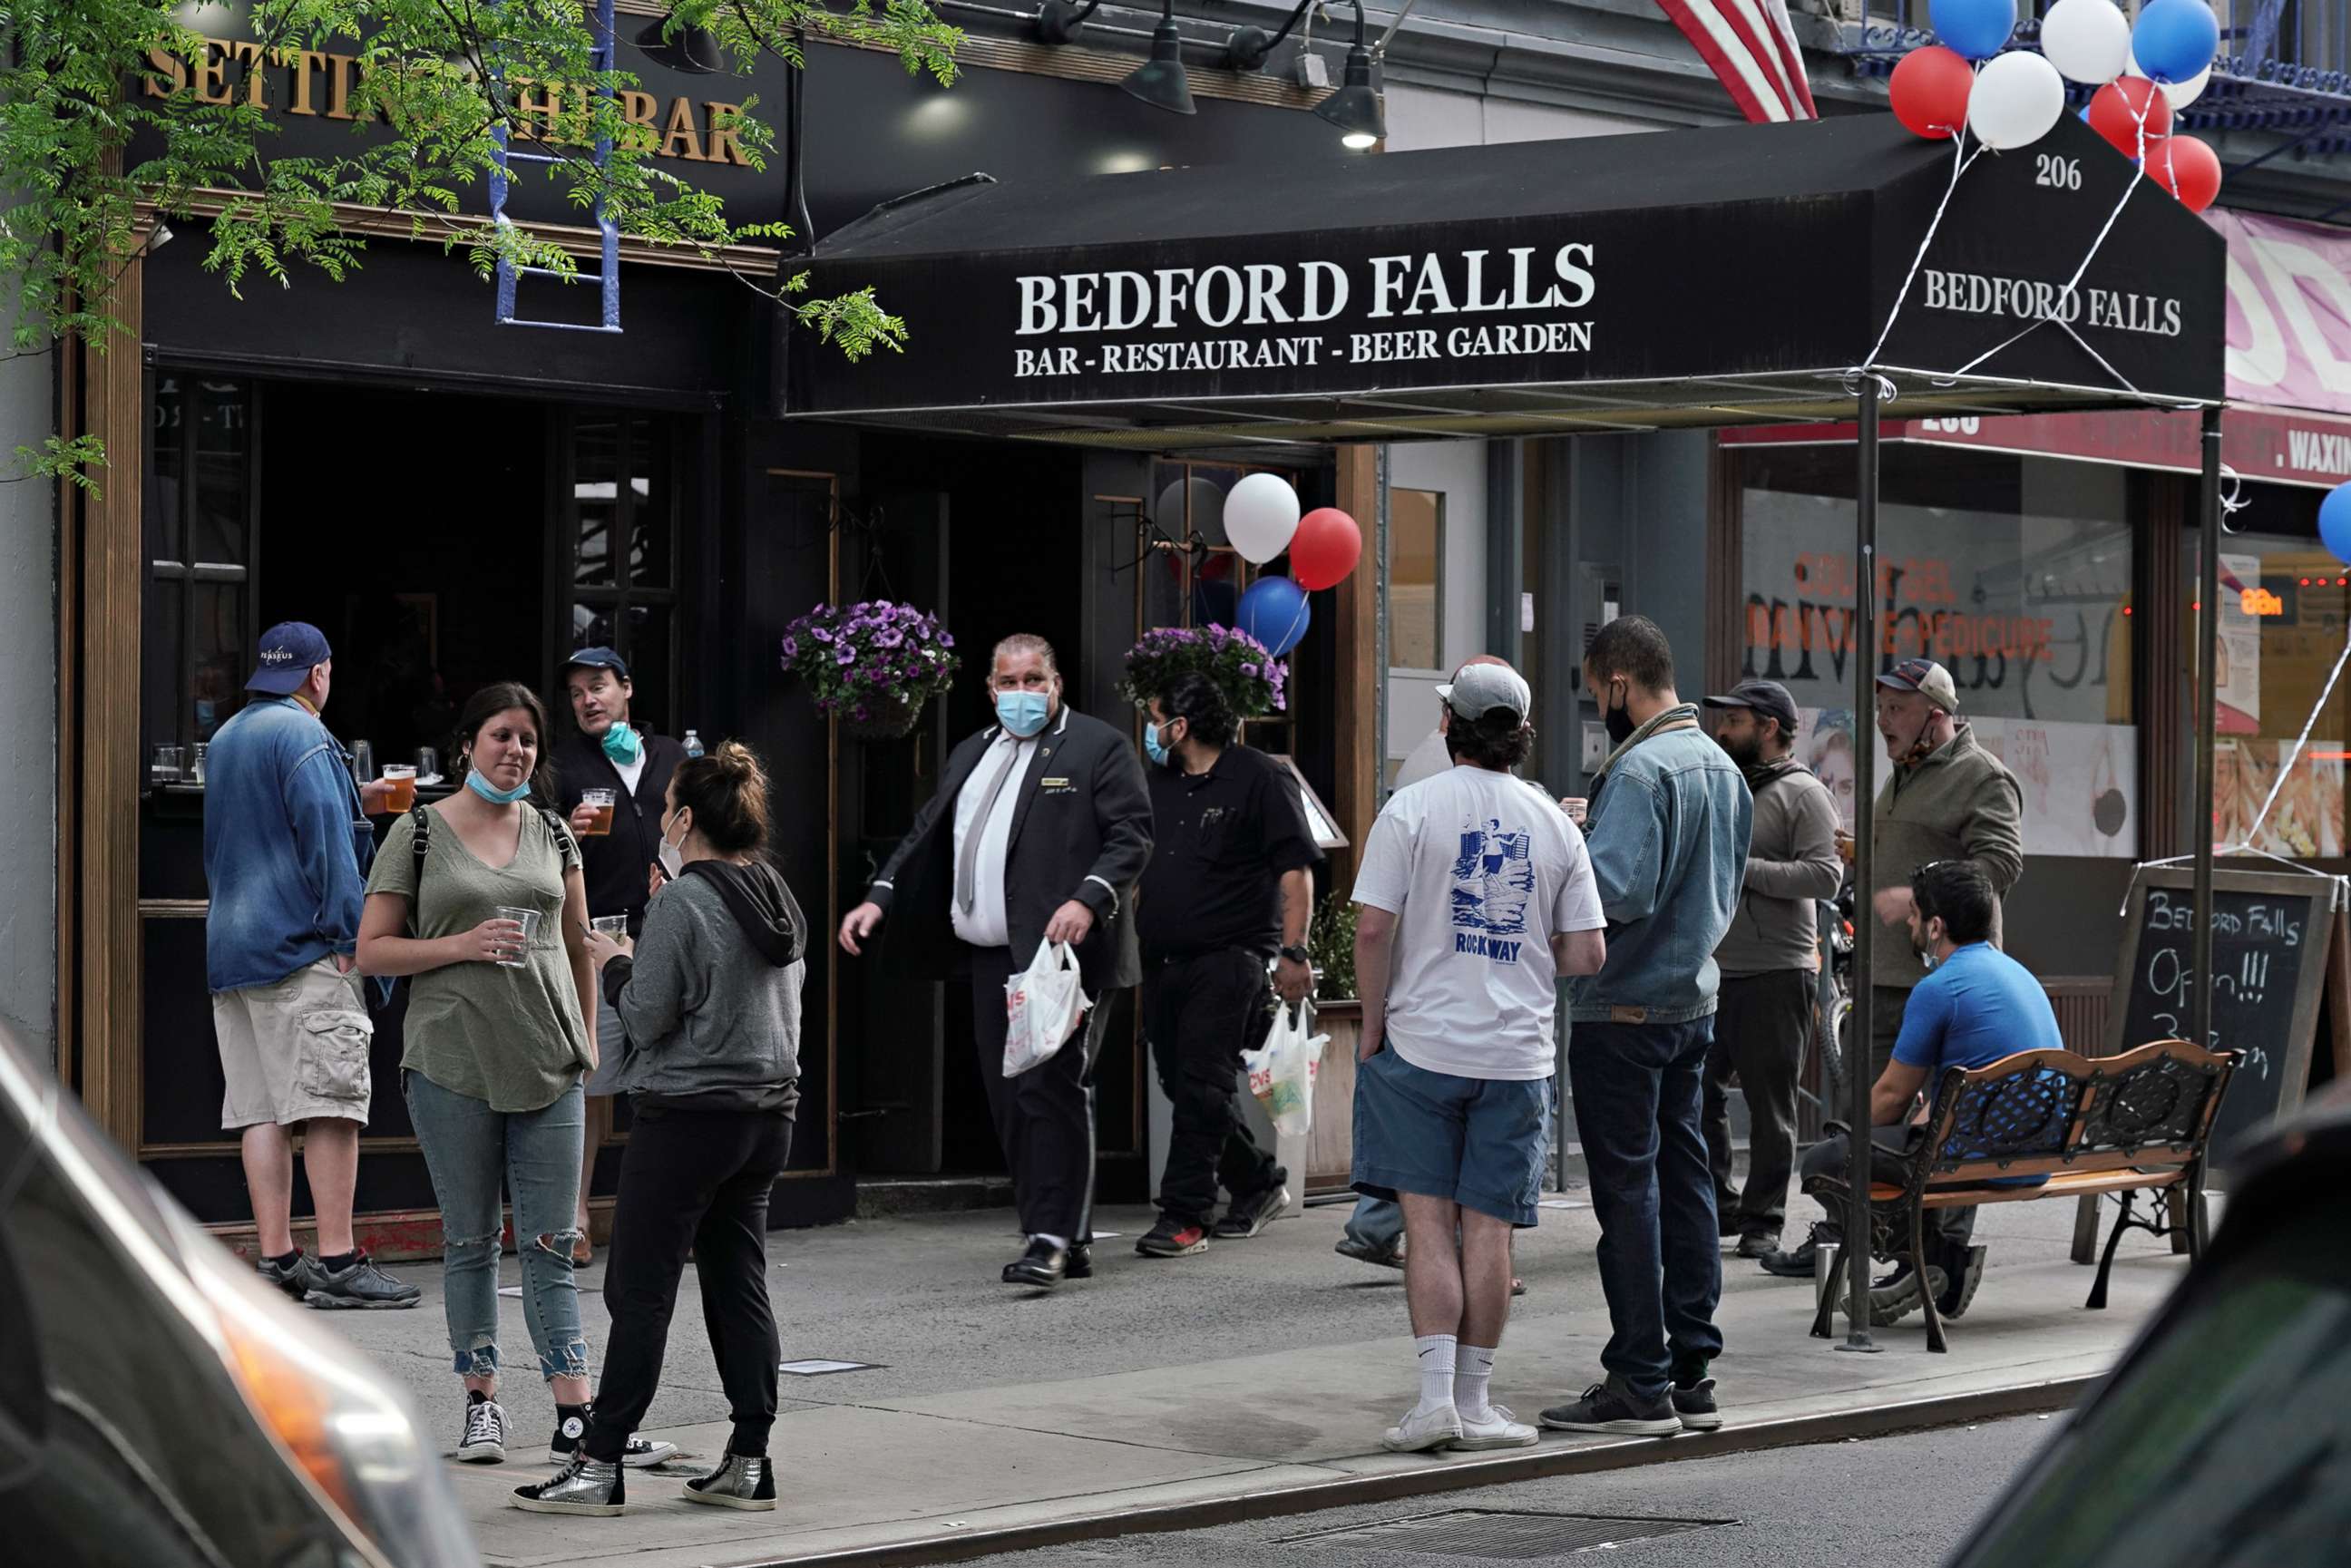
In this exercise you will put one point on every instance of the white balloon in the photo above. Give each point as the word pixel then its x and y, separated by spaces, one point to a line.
pixel 2017 98
pixel 1261 516
pixel 2087 40
pixel 2183 93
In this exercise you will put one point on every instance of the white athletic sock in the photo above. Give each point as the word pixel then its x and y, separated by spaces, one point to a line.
pixel 1472 1377
pixel 1434 1354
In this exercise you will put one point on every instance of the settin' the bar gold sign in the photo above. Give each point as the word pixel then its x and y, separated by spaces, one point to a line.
pixel 332 86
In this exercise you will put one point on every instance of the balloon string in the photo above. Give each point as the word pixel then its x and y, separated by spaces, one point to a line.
pixel 1960 159
pixel 2073 282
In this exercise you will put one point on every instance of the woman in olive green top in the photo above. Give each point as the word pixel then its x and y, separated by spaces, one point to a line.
pixel 496 1047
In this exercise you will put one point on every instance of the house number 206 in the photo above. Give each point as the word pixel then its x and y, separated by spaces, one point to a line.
pixel 2057 174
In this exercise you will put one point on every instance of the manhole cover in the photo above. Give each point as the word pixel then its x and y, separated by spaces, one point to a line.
pixel 1493 1532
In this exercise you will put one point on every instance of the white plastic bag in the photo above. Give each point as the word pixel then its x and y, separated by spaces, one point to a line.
pixel 1281 1072
pixel 1043 1005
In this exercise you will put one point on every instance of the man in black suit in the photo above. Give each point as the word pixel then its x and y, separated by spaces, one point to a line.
pixel 1039 830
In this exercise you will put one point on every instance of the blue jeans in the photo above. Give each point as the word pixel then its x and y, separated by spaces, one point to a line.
pixel 1377 1223
pixel 473 1152
pixel 1638 1090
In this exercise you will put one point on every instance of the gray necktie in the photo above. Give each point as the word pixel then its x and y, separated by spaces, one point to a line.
pixel 967 863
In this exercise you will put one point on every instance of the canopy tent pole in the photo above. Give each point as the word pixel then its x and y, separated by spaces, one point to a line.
pixel 1857 1053
pixel 2208 663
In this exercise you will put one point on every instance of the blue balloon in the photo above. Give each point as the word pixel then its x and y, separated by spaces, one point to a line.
pixel 2335 522
pixel 2174 39
pixel 1973 30
pixel 1274 611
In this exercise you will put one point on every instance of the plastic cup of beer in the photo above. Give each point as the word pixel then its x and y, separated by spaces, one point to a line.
pixel 403 795
pixel 613 925
pixel 528 920
pixel 601 803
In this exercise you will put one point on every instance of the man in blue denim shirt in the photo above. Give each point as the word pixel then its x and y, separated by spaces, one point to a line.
pixel 287 847
pixel 1668 824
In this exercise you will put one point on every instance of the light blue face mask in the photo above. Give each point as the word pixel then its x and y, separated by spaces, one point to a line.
pixel 1152 747
pixel 622 743
pixel 1022 713
pixel 489 791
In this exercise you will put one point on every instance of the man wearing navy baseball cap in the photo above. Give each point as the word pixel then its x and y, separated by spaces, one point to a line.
pixel 619 840
pixel 287 848
pixel 1770 959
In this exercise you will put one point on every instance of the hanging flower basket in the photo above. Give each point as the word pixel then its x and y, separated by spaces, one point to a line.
pixel 871 665
pixel 1252 679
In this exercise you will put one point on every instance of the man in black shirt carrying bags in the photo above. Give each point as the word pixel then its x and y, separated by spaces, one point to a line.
pixel 1229 887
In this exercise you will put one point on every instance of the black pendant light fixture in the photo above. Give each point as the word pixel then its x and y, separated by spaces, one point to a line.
pixel 1160 81
pixel 1355 109
pixel 695 50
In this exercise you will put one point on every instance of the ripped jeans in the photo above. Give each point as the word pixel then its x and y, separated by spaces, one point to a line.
pixel 473 1152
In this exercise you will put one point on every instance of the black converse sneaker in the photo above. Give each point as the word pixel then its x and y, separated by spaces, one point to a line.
pixel 483 1439
pixel 583 1485
pixel 571 1427
pixel 740 1482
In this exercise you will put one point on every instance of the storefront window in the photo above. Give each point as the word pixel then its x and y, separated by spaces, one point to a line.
pixel 1198 580
pixel 622 509
pixel 2014 573
pixel 199 529
pixel 1415 579
pixel 2285 604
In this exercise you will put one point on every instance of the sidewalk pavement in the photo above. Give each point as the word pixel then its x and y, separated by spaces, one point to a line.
pixel 1252 1380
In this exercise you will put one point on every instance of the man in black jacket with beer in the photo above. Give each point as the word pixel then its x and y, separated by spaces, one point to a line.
pixel 1039 831
pixel 619 838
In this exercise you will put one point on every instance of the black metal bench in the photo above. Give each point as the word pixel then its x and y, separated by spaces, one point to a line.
pixel 2129 1124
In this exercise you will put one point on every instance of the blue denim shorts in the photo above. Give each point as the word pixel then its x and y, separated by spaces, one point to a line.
pixel 1475 1140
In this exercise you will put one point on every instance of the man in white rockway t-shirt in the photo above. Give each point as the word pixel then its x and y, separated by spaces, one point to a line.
pixel 1476 896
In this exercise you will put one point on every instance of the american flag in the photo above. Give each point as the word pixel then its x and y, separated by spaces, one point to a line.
pixel 1750 45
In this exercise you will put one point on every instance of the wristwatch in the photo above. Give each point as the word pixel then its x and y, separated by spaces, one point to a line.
pixel 1296 955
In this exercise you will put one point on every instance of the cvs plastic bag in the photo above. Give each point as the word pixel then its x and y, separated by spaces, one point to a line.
pixel 1281 1072
pixel 1043 1005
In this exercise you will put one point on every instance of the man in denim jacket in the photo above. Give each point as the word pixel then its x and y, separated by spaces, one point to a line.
pixel 285 853
pixel 1669 817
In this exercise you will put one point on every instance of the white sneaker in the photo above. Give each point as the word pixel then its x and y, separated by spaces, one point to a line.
pixel 1422 1430
pixel 1498 1428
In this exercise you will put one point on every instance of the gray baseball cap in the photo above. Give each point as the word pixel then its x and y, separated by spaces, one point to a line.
pixel 1478 689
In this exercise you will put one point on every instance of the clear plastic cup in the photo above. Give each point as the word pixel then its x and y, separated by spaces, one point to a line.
pixel 403 780
pixel 528 920
pixel 600 801
pixel 611 924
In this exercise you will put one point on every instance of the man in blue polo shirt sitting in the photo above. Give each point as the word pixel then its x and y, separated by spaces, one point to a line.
pixel 1976 1006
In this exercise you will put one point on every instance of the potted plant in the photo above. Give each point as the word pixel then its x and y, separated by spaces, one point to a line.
pixel 1251 677
pixel 871 665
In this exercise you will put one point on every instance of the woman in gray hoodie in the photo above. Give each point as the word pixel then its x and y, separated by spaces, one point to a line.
pixel 710 1009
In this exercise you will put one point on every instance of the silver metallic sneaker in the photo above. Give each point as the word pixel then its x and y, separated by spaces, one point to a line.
pixel 484 1440
pixel 738 1482
pixel 583 1485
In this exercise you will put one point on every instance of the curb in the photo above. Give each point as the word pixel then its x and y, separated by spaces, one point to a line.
pixel 1461 1475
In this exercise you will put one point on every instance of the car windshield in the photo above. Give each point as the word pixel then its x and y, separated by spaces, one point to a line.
pixel 2222 1446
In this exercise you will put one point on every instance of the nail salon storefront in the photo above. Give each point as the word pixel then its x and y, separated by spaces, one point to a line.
pixel 455 502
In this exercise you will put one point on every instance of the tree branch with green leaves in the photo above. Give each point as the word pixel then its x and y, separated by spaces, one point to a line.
pixel 116 117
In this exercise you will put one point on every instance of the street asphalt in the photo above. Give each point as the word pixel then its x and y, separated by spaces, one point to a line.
pixel 1901 1499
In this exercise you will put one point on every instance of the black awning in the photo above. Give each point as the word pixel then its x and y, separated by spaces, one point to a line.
pixel 1686 278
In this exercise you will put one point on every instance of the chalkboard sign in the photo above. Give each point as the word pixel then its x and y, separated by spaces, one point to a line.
pixel 2271 933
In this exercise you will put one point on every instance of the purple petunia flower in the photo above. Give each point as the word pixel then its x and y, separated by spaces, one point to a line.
pixel 791 648
pixel 946 640
pixel 863 712
pixel 844 655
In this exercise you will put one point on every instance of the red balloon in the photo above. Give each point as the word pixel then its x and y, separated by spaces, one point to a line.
pixel 1325 548
pixel 1929 88
pixel 2189 169
pixel 2115 109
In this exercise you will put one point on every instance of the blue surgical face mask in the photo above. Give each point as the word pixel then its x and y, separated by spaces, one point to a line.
pixel 622 743
pixel 1152 747
pixel 480 785
pixel 1022 713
